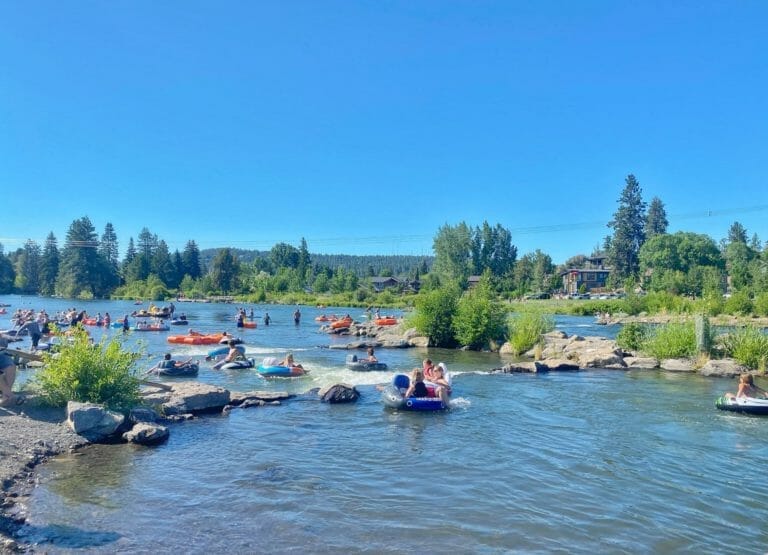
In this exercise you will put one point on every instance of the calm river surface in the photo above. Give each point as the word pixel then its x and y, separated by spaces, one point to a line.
pixel 596 461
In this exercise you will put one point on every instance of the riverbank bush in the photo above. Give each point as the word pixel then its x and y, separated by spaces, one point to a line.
pixel 525 331
pixel 673 340
pixel 748 346
pixel 632 335
pixel 90 372
pixel 479 319
pixel 435 311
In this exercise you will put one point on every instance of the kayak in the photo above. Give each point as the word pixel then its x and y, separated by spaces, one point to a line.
pixel 747 405
pixel 363 365
pixel 393 397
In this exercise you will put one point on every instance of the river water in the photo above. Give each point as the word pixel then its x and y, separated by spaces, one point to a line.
pixel 594 461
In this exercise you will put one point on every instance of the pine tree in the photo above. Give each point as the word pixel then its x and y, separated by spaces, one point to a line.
pixel 49 265
pixel 656 221
pixel 628 232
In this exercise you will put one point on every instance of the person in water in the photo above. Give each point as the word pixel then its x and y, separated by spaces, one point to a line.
pixel 7 377
pixel 297 317
pixel 371 356
pixel 289 362
pixel 267 319
pixel 440 379
pixel 428 368
pixel 747 388
pixel 233 355
pixel 417 388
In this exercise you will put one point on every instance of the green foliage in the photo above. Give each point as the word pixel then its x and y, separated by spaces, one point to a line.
pixel 628 231
pixel 673 340
pixel 761 304
pixel 739 303
pixel 525 330
pixel 632 335
pixel 435 310
pixel 479 318
pixel 87 372
pixel 748 346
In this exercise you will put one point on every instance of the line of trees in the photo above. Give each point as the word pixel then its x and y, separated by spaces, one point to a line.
pixel 640 254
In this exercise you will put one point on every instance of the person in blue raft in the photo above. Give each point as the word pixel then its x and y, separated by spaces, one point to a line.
pixel 417 388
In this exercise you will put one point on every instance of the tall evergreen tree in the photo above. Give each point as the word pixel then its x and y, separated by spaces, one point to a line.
pixel 161 264
pixel 81 269
pixel 191 258
pixel 28 269
pixel 178 270
pixel 49 265
pixel 7 273
pixel 737 233
pixel 656 221
pixel 305 262
pixel 628 231
pixel 225 268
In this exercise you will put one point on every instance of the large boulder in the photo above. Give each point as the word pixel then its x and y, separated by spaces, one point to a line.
pixel 556 365
pixel 528 367
pixel 677 365
pixel 145 433
pixel 339 393
pixel 726 368
pixel 641 362
pixel 195 397
pixel 93 421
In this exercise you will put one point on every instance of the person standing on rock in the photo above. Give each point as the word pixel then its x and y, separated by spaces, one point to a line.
pixel 7 377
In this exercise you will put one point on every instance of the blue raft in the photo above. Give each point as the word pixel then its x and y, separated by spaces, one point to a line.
pixel 393 397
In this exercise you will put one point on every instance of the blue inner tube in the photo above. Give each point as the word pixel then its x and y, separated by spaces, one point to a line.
pixel 222 351
pixel 392 397
pixel 189 369
pixel 280 371
pixel 362 366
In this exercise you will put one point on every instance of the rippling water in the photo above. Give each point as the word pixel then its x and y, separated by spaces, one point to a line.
pixel 599 461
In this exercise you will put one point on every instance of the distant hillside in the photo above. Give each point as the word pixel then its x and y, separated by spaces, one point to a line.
pixel 399 265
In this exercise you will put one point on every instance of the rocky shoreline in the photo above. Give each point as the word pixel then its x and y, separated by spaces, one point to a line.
pixel 31 433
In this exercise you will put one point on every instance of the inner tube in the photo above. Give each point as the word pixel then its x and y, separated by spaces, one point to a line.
pixel 746 405
pixel 363 365
pixel 221 352
pixel 189 369
pixel 392 397
pixel 280 371
pixel 241 364
pixel 226 340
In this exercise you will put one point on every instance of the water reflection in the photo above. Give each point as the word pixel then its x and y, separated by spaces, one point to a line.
pixel 98 471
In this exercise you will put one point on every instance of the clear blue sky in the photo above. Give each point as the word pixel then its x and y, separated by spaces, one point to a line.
pixel 364 126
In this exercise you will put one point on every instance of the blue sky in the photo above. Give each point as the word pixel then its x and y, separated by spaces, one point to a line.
pixel 364 126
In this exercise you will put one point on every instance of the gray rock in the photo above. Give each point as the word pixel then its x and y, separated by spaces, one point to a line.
pixel 516 368
pixel 238 398
pixel 556 365
pixel 677 365
pixel 195 397
pixel 601 359
pixel 93 421
pixel 419 341
pixel 142 414
pixel 339 393
pixel 145 433
pixel 641 362
pixel 727 368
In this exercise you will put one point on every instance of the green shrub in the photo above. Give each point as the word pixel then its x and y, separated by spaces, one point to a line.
pixel 90 372
pixel 748 346
pixel 632 335
pixel 479 319
pixel 526 329
pixel 435 310
pixel 761 304
pixel 739 303
pixel 674 340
